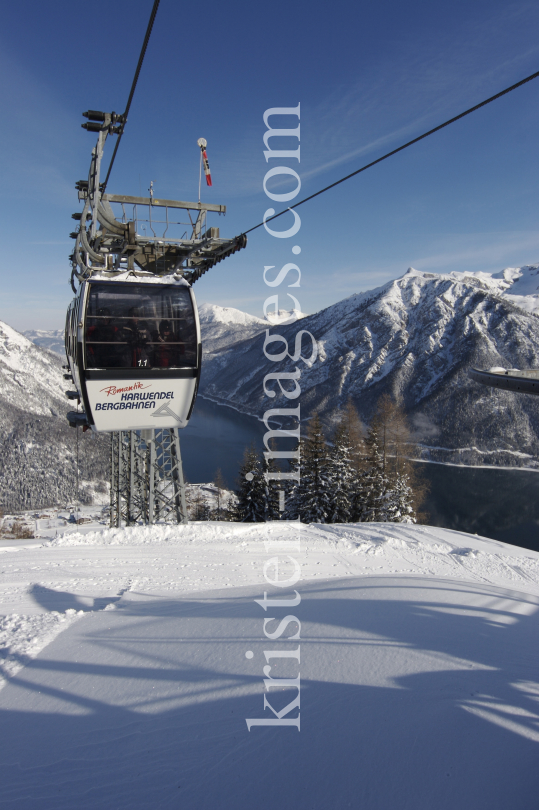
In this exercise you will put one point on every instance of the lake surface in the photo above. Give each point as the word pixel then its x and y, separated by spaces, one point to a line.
pixel 501 504
pixel 216 438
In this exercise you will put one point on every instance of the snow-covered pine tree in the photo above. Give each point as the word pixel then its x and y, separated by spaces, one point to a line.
pixel 291 486
pixel 271 491
pixel 376 506
pixel 313 496
pixel 404 500
pixel 388 506
pixel 252 504
pixel 341 475
pixel 359 496
pixel 358 462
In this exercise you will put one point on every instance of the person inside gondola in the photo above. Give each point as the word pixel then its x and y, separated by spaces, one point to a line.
pixel 136 334
pixel 131 327
pixel 143 352
pixel 167 348
pixel 101 336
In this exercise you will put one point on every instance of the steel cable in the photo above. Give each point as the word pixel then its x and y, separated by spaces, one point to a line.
pixel 133 87
pixel 399 149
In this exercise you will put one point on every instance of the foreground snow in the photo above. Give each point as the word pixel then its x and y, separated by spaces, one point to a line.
pixel 419 663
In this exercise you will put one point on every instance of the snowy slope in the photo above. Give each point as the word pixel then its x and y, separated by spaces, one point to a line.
pixel 516 280
pixel 37 446
pixel 223 326
pixel 418 685
pixel 520 285
pixel 413 338
pixel 30 377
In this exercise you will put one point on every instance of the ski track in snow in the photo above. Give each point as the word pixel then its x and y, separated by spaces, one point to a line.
pixel 419 666
pixel 46 588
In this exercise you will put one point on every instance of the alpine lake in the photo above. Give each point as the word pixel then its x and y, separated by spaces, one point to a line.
pixel 502 504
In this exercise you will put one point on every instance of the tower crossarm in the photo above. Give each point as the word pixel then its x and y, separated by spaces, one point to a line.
pixel 158 236
pixel 191 206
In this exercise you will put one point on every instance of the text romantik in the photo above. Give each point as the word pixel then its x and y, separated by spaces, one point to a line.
pixel 111 390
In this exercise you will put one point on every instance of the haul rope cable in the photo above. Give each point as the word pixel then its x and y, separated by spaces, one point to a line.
pixel 133 86
pixel 399 149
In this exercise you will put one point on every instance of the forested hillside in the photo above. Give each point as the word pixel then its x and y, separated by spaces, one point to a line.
pixel 37 447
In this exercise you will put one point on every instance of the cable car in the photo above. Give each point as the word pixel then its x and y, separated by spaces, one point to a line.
pixel 134 352
pixel 132 332
pixel 525 382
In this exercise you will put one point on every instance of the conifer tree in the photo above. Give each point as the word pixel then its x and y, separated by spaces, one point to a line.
pixel 341 478
pixel 404 500
pixel 252 500
pixel 359 497
pixel 312 497
pixel 375 484
pixel 272 487
pixel 291 485
pixel 388 507
pixel 358 462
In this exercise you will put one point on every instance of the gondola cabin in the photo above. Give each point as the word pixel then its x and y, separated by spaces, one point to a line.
pixel 134 352
pixel 523 381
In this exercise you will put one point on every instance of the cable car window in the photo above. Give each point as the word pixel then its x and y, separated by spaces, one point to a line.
pixel 140 326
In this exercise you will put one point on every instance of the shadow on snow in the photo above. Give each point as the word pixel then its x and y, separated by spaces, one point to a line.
pixel 415 693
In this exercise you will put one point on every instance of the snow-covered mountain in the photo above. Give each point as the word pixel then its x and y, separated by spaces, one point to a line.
pixel 518 284
pixel 30 378
pixel 223 326
pixel 51 339
pixel 285 316
pixel 414 338
pixel 37 446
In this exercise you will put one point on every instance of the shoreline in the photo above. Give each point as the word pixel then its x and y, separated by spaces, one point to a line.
pixel 504 468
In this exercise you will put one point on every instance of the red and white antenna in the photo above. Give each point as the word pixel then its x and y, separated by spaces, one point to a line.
pixel 202 142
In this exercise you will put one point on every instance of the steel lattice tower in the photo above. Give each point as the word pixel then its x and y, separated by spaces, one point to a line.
pixel 147 484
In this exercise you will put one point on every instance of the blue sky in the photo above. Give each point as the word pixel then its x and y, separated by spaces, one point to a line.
pixel 368 77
